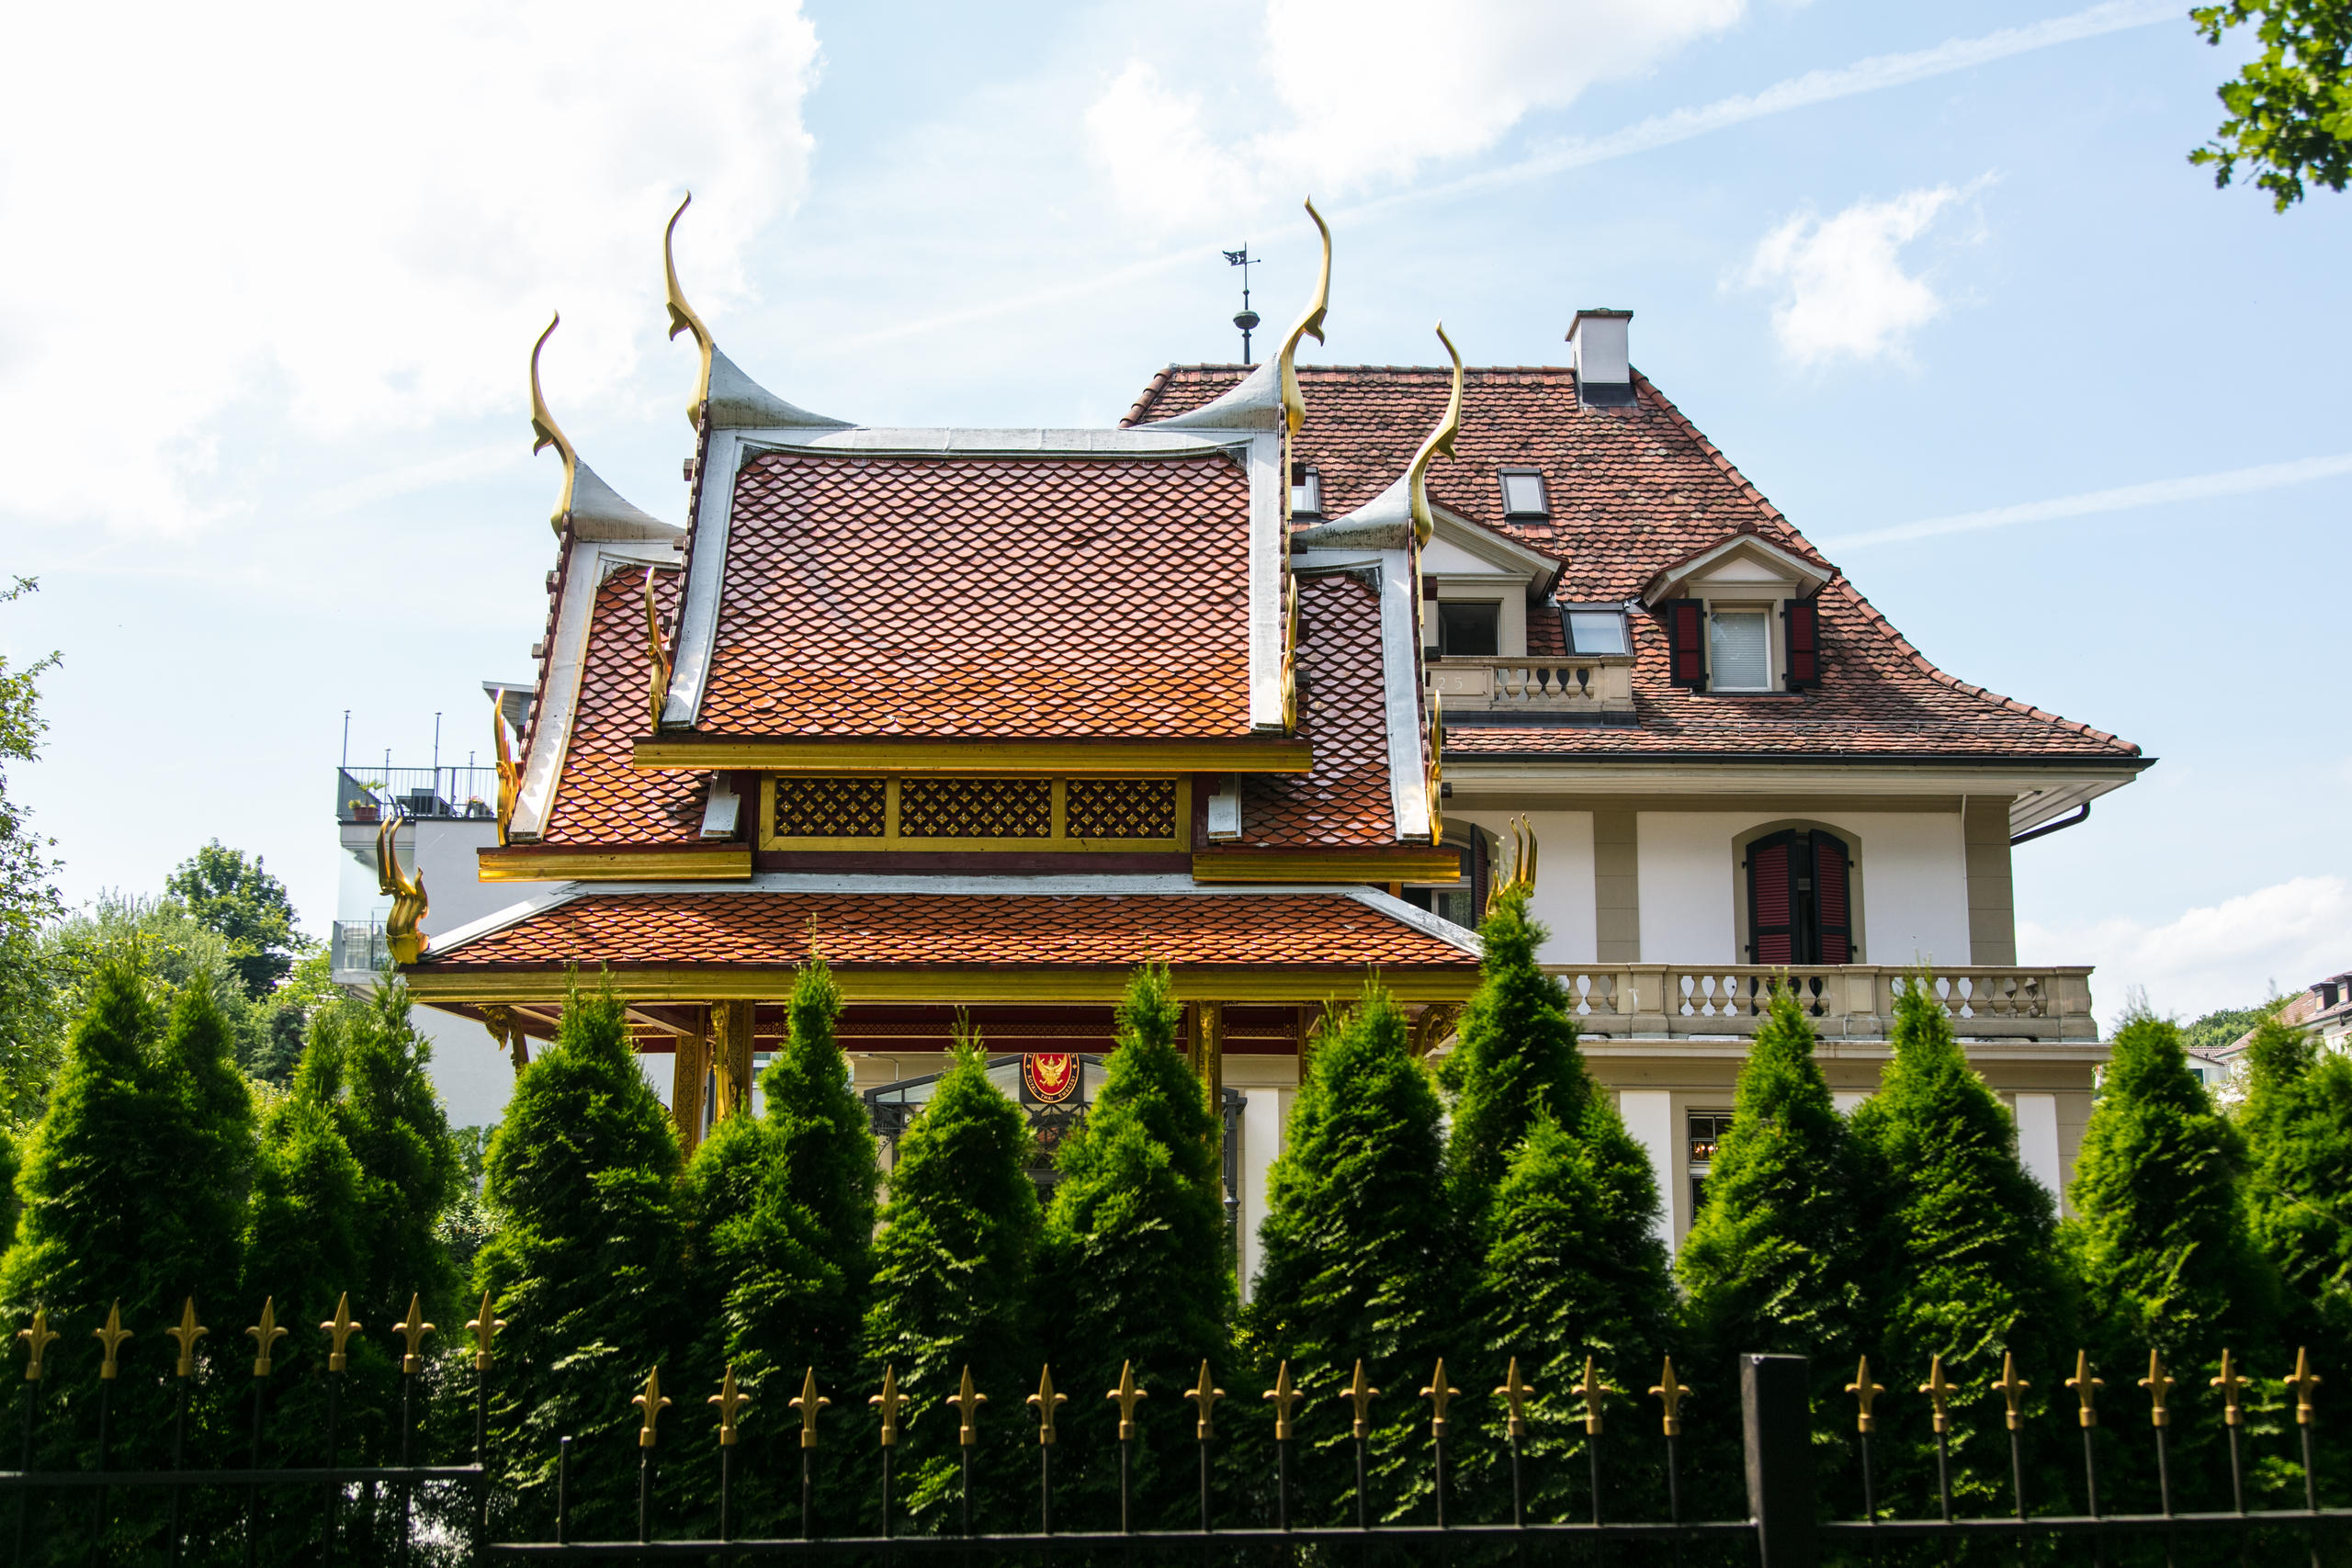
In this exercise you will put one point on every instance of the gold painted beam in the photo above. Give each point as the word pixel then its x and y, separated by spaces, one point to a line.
pixel 1225 983
pixel 698 863
pixel 1092 759
pixel 1375 867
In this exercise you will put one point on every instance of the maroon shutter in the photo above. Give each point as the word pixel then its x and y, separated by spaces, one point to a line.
pixel 1832 906
pixel 1771 929
pixel 1804 617
pixel 1686 641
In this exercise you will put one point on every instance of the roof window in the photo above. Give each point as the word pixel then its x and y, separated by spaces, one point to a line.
pixel 1523 494
pixel 1601 630
pixel 1305 491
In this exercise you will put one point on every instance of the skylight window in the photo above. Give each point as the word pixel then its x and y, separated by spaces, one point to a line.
pixel 1596 631
pixel 1305 491
pixel 1523 494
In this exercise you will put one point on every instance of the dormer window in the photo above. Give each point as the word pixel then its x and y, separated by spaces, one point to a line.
pixel 1469 628
pixel 1305 491
pixel 1739 650
pixel 1596 630
pixel 1523 494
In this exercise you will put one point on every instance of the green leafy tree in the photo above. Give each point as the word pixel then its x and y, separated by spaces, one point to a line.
pixel 2162 1239
pixel 1974 1271
pixel 1136 1264
pixel 587 1268
pixel 30 1040
pixel 951 1290
pixel 1518 1060
pixel 2290 106
pixel 239 898
pixel 1354 1247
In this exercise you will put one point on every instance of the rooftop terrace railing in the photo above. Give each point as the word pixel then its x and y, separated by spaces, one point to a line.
pixel 432 794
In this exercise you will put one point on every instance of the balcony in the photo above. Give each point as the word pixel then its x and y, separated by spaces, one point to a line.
pixel 1594 684
pixel 434 793
pixel 357 946
pixel 1847 1001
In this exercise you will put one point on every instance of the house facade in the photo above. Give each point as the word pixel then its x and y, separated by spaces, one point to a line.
pixel 1271 684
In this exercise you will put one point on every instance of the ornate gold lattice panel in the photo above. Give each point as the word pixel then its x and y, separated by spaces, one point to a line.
pixel 831 809
pixel 1122 808
pixel 976 809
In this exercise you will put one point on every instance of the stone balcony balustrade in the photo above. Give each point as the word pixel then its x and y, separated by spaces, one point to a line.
pixel 1846 1001
pixel 1595 683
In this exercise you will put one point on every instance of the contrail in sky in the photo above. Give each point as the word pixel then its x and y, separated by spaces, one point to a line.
pixel 2195 487
pixel 1660 130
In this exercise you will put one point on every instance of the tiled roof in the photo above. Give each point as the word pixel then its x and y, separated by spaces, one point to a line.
pixel 600 798
pixel 1632 490
pixel 1061 597
pixel 1343 711
pixel 636 929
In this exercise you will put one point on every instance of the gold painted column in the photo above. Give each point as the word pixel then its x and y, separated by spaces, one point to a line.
pixel 1208 1055
pixel 732 1055
pixel 686 1084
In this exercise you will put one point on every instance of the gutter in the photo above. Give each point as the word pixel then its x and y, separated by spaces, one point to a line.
pixel 2082 815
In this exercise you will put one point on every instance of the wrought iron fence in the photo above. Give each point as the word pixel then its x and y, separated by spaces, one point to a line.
pixel 1788 1522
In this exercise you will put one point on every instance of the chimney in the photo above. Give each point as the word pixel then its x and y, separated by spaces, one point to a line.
pixel 1597 350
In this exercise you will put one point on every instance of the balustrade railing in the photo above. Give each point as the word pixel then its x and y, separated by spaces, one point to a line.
pixel 1527 682
pixel 1850 1001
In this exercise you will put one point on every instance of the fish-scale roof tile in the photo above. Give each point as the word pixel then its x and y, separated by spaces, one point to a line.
pixel 1343 711
pixel 600 797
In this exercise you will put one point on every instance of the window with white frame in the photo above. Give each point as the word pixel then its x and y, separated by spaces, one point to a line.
pixel 1739 650
pixel 1596 630
pixel 1305 491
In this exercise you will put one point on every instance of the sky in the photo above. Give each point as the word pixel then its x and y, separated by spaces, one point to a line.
pixel 1938 277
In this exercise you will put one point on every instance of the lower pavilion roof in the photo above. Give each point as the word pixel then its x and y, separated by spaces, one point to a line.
pixel 932 937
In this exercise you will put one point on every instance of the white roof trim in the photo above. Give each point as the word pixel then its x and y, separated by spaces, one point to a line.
pixel 706 572
pixel 551 734
pixel 1400 667
pixel 1507 553
pixel 1256 403
pixel 600 511
pixel 1383 523
pixel 1268 490
pixel 956 441
pixel 1168 885
pixel 1665 582
pixel 737 402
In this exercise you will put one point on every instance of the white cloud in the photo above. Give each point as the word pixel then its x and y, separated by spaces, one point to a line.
pixel 2225 955
pixel 356 219
pixel 1842 290
pixel 1370 90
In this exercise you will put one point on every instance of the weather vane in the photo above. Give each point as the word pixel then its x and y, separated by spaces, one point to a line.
pixel 1248 319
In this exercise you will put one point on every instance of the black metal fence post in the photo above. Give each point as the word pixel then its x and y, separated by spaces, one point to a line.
pixel 2012 1389
pixel 1437 1394
pixel 1939 1391
pixel 1776 1420
pixel 807 1403
pixel 38 1339
pixel 1361 1394
pixel 2232 1422
pixel 652 1404
pixel 111 1337
pixel 484 1328
pixel 1513 1394
pixel 1206 1396
pixel 265 1336
pixel 1127 1396
pixel 889 1399
pixel 413 1330
pixel 339 1330
pixel 1285 1398
pixel 562 1491
pixel 1593 1390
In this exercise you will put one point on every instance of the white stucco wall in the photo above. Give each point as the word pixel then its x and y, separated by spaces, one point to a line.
pixel 1564 886
pixel 1914 883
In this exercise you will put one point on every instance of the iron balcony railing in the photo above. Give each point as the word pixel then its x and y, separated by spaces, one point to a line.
pixel 359 945
pixel 435 793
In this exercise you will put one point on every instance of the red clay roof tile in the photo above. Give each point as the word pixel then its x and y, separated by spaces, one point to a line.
pixel 1342 710
pixel 600 798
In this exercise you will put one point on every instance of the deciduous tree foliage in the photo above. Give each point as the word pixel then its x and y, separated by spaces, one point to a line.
pixel 1137 1266
pixel 239 898
pixel 1355 1241
pixel 952 1270
pixel 2290 106
pixel 587 1268
pixel 1969 1246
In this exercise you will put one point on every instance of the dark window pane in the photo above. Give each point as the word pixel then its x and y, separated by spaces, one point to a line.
pixel 1471 630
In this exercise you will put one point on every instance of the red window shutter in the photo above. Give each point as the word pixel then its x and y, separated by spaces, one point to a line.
pixel 1770 907
pixel 1832 906
pixel 1803 619
pixel 1686 640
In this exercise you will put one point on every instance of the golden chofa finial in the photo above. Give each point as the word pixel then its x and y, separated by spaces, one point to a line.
pixel 1045 1402
pixel 185 1336
pixel 1361 1394
pixel 1669 1393
pixel 265 1335
pixel 406 890
pixel 682 315
pixel 483 1328
pixel 510 777
pixel 1204 1396
pixel 38 1339
pixel 1285 1397
pixel 1866 1393
pixel 546 433
pixel 657 657
pixel 731 1404
pixel 807 1402
pixel 1128 1394
pixel 1440 440
pixel 413 1330
pixel 339 1330
pixel 1520 877
pixel 652 1404
pixel 1309 325
pixel 892 1401
pixel 1433 783
pixel 111 1337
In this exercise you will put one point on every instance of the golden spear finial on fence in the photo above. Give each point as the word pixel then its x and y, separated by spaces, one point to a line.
pixel 1205 1396
pixel 1591 1390
pixel 2303 1382
pixel 1361 1394
pixel 1045 1402
pixel 968 1400
pixel 265 1336
pixel 2230 1383
pixel 890 1400
pixel 339 1329
pixel 809 1402
pixel 189 1332
pixel 1669 1393
pixel 652 1404
pixel 483 1326
pixel 2012 1389
pixel 1285 1398
pixel 2158 1386
pixel 413 1328
pixel 1865 1392
pixel 1127 1396
pixel 2085 1388
pixel 39 1338
pixel 731 1404
pixel 1513 1394
pixel 1938 1390
pixel 1438 1394
pixel 111 1337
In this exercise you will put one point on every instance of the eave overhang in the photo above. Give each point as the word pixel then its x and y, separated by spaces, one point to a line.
pixel 614 862
pixel 1105 757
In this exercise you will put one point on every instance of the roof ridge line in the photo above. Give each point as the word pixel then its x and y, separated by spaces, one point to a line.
pixel 1152 389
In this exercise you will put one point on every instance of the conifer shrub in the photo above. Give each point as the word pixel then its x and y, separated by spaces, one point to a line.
pixel 1136 1265
pixel 1968 1249
pixel 952 1264
pixel 392 1119
pixel 2163 1241
pixel 1517 1062
pixel 586 1269
pixel 1354 1247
